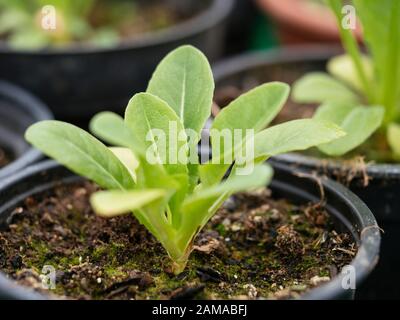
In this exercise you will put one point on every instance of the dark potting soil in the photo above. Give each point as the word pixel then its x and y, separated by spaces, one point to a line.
pixel 5 157
pixel 253 247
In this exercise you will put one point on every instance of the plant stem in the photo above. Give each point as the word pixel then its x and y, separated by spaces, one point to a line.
pixel 351 46
pixel 178 265
pixel 391 76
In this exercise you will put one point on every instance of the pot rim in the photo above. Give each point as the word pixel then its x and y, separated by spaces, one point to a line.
pixel 36 110
pixel 292 54
pixel 381 170
pixel 217 11
pixel 364 261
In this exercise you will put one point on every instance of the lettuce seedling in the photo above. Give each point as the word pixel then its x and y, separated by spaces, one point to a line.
pixel 362 92
pixel 161 180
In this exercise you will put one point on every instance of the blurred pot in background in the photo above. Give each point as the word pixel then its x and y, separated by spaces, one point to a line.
pixel 249 29
pixel 303 21
pixel 79 73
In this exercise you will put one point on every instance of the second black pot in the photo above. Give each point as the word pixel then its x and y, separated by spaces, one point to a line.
pixel 381 196
pixel 247 71
pixel 78 82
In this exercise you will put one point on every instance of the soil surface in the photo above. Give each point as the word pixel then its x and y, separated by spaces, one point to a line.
pixel 253 247
pixel 5 158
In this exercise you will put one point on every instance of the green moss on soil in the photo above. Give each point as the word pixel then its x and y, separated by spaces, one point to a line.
pixel 254 247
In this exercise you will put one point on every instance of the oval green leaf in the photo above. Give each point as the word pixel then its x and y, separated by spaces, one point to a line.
pixel 80 152
pixel 184 80
pixel 358 122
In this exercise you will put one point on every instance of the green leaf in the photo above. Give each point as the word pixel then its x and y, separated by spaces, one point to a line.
pixel 184 80
pixel 212 173
pixel 127 158
pixel 318 87
pixel 252 110
pixel 146 112
pixel 358 122
pixel 200 207
pixel 80 152
pixel 114 203
pixel 258 177
pixel 110 127
pixel 156 129
pixel 393 133
pixel 381 26
pixel 294 135
pixel 342 67
pixel 154 176
pixel 290 136
pixel 151 176
pixel 177 199
pixel 334 112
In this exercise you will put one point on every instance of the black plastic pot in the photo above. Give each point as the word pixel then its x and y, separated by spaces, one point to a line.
pixel 18 110
pixel 349 213
pixel 78 82
pixel 381 193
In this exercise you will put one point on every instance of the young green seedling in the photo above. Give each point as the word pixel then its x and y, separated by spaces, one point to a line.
pixel 153 170
pixel 362 92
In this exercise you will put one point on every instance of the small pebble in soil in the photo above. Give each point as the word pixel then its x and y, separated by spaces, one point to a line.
pixel 289 241
pixel 16 261
pixel 209 274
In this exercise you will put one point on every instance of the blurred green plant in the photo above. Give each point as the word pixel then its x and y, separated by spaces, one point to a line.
pixel 361 93
pixel 21 21
pixel 94 22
